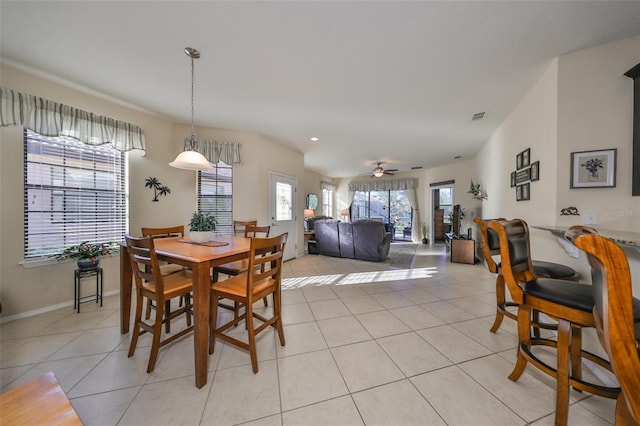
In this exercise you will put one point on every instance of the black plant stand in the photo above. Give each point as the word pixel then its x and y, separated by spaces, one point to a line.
pixel 87 273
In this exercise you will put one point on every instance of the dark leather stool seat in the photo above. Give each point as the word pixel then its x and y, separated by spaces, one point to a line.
pixel 570 294
pixel 552 270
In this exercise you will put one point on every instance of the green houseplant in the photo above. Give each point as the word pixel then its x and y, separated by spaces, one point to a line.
pixel 201 227
pixel 88 254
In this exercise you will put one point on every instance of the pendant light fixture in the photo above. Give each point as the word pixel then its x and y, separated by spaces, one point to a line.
pixel 191 159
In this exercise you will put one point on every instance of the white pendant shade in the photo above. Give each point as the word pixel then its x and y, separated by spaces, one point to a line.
pixel 191 160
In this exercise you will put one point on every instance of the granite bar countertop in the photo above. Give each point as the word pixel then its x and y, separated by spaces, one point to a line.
pixel 625 238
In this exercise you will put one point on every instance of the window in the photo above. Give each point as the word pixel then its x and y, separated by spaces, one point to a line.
pixel 445 202
pixel 215 195
pixel 73 192
pixel 327 202
pixel 284 201
pixel 391 207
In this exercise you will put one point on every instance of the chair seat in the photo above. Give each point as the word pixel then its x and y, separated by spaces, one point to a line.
pixel 237 286
pixel 574 295
pixel 552 270
pixel 567 293
pixel 170 268
pixel 174 284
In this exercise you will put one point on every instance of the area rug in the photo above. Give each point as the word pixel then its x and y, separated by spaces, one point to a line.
pixel 401 255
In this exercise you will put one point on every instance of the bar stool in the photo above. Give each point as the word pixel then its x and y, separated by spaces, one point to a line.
pixel 570 303
pixel 542 269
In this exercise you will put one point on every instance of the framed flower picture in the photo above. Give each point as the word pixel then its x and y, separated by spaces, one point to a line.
pixel 593 169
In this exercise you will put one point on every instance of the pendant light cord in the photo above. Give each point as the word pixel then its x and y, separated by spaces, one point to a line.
pixel 193 138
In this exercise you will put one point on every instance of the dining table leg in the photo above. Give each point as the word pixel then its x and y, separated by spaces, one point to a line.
pixel 126 284
pixel 201 298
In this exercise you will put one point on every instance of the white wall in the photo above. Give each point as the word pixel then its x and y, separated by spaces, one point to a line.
pixel 312 185
pixel 25 290
pixel 581 102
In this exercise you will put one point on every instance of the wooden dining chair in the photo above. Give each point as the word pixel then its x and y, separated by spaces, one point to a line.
pixel 239 225
pixel 263 278
pixel 615 313
pixel 240 266
pixel 491 247
pixel 165 268
pixel 568 302
pixel 152 285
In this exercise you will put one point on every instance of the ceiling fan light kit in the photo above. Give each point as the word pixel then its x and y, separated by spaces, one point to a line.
pixel 379 171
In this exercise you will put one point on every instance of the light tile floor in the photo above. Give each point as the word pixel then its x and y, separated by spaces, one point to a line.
pixel 367 343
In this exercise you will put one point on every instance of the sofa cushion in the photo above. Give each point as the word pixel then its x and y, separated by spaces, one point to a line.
pixel 327 240
pixel 345 231
pixel 370 241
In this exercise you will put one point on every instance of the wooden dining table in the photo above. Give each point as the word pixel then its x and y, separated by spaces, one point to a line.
pixel 200 259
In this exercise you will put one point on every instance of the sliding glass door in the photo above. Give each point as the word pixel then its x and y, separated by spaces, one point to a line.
pixel 390 207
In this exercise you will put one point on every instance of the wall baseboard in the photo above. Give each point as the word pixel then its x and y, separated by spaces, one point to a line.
pixel 47 309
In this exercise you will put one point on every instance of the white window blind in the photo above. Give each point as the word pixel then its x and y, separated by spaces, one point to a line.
pixel 73 192
pixel 215 195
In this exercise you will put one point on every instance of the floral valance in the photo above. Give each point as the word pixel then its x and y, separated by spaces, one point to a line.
pixel 328 186
pixel 50 118
pixel 384 185
pixel 214 151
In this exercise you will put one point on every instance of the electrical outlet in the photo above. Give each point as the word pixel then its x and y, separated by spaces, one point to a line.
pixel 590 217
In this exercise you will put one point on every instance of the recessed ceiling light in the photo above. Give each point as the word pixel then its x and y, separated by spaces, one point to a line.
pixel 315 139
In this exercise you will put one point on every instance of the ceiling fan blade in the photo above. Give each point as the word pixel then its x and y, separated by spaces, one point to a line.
pixel 391 170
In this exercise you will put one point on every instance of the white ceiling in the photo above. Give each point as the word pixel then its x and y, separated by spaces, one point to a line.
pixel 389 81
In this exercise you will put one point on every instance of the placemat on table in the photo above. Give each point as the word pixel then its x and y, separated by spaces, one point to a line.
pixel 208 243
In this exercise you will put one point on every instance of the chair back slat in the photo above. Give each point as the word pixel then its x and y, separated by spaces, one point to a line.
pixel 265 260
pixel 253 231
pixel 171 231
pixel 240 225
pixel 613 311
pixel 144 262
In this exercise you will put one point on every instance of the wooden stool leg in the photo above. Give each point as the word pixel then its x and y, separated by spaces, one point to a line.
pixel 501 302
pixel 524 339
pixel 562 378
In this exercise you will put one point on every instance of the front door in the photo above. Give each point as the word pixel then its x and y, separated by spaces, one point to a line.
pixel 282 210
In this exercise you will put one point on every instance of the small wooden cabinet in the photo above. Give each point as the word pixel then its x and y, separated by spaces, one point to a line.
pixel 463 251
pixel 438 225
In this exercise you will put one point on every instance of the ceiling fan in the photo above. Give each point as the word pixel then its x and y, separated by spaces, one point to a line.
pixel 379 171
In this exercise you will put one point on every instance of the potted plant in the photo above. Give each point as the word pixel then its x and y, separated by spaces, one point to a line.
pixel 88 254
pixel 201 227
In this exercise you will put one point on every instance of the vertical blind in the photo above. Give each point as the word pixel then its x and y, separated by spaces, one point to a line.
pixel 74 192
pixel 215 195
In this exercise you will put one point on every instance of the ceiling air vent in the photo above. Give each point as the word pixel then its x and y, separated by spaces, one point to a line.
pixel 416 167
pixel 477 116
